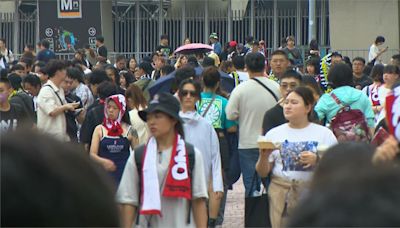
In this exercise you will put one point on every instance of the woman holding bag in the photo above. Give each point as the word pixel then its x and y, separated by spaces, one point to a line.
pixel 292 162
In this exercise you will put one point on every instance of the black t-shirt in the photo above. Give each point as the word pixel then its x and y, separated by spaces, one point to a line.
pixel 72 127
pixel 360 83
pixel 273 118
pixel 165 50
pixel 12 119
pixel 94 117
pixel 26 102
pixel 102 51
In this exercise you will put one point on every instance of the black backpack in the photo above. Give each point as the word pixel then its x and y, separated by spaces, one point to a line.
pixel 139 151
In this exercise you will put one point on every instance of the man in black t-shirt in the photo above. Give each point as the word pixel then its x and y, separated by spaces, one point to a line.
pixel 274 117
pixel 102 52
pixel 21 97
pixel 12 116
pixel 72 117
pixel 360 79
pixel 164 49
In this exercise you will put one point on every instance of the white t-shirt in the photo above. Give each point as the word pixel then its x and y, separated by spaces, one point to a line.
pixel 373 52
pixel 248 103
pixel 173 210
pixel 47 101
pixel 295 141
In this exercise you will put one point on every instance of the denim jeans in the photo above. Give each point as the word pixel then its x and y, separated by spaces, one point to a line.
pixel 234 167
pixel 248 159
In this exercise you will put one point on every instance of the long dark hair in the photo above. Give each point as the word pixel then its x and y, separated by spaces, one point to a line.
pixel 179 129
pixel 129 77
pixel 115 72
pixel 377 73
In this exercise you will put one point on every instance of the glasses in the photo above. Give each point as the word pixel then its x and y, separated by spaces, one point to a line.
pixel 289 86
pixel 184 93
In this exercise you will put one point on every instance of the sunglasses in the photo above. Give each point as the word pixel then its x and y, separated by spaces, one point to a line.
pixel 184 93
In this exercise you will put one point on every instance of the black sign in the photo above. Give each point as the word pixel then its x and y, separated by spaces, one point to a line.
pixel 69 24
pixel 69 8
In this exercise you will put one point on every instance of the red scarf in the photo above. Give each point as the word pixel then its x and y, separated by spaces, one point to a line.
pixel 114 126
pixel 177 183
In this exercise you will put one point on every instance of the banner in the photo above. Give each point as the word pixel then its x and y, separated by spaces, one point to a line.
pixel 69 24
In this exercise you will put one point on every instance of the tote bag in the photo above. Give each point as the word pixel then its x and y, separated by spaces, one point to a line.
pixel 256 208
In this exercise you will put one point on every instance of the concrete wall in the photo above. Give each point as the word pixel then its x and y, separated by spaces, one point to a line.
pixel 107 24
pixel 354 24
pixel 7 6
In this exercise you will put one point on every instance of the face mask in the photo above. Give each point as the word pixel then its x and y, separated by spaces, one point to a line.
pixel 3 97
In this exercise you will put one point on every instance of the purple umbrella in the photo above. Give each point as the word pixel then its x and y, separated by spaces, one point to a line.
pixel 193 48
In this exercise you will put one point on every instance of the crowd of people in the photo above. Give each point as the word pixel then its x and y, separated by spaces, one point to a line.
pixel 169 158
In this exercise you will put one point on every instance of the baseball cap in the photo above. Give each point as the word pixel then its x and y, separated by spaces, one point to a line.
pixel 214 35
pixel 232 43
pixel 165 103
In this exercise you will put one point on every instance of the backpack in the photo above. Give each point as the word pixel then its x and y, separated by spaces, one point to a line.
pixel 349 124
pixel 139 151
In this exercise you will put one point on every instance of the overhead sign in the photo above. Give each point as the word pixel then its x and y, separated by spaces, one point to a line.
pixel 69 24
pixel 69 8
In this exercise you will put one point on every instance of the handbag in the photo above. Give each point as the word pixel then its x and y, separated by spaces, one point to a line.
pixel 256 212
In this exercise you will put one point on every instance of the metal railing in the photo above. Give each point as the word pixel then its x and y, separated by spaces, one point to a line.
pixel 137 30
pixel 351 53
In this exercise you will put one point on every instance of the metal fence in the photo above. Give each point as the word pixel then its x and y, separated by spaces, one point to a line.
pixel 18 30
pixel 137 27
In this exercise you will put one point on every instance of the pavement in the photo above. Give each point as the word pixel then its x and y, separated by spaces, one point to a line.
pixel 234 209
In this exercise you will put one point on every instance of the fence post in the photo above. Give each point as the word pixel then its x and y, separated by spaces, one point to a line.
pixel 275 42
pixel 137 30
pixel 322 21
pixel 311 20
pixel 252 17
pixel 37 32
pixel 160 18
pixel 183 20
pixel 299 32
pixel 229 20
pixel 206 22
pixel 16 28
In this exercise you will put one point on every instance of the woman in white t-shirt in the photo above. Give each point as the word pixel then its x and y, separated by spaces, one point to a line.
pixel 293 162
pixel 374 90
pixel 391 74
